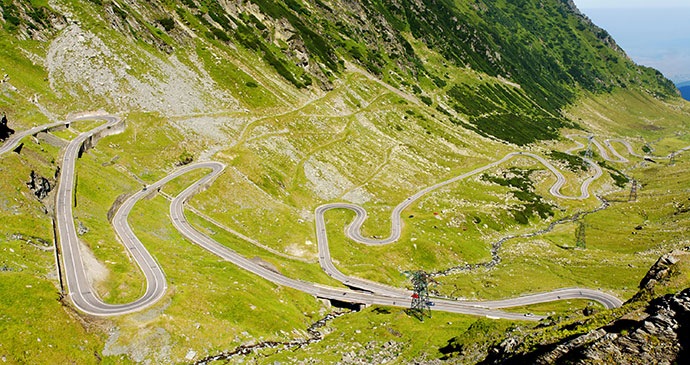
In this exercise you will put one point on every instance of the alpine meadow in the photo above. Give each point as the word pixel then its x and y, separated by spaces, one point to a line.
pixel 337 181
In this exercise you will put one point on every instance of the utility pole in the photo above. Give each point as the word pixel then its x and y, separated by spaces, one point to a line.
pixel 580 238
pixel 420 306
pixel 633 191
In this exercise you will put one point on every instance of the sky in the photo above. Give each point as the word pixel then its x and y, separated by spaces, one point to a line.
pixel 653 33
pixel 627 4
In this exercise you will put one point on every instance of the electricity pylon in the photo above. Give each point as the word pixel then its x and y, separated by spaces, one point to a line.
pixel 588 153
pixel 420 306
pixel 633 191
pixel 580 237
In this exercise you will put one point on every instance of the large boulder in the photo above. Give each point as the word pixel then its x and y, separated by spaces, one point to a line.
pixel 39 185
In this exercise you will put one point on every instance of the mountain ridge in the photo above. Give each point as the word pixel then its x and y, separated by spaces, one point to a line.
pixel 309 103
pixel 684 88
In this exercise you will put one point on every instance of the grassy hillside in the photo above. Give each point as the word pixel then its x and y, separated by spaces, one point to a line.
pixel 364 102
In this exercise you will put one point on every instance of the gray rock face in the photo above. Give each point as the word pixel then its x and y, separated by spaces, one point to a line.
pixel 658 272
pixel 39 185
pixel 5 131
pixel 657 332
pixel 663 337
pixel 573 7
pixel 81 228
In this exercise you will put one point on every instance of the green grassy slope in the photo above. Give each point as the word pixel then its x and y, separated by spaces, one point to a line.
pixel 314 102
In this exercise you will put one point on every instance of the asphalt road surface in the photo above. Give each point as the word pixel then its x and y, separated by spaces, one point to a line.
pixel 85 298
pixel 619 158
pixel 353 232
pixel 15 138
pixel 400 299
pixel 78 283
pixel 375 292
pixel 80 288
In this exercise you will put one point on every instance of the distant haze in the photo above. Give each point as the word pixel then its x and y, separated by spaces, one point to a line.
pixel 653 33
pixel 627 4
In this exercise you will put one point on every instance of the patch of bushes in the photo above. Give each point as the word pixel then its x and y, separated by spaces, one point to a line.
pixel 572 162
pixel 185 158
pixel 532 204
pixel 220 35
pixel 469 101
pixel 469 126
pixel 505 113
pixel 480 333
pixel 619 179
pixel 189 3
pixel 439 82
pixel 252 19
pixel 39 15
pixel 10 11
pixel 168 23
pixel 119 12
pixel 519 129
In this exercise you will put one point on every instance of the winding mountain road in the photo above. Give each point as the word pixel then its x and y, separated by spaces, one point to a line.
pixel 400 299
pixel 80 288
pixel 15 138
pixel 394 297
pixel 632 152
pixel 85 298
pixel 619 158
pixel 353 231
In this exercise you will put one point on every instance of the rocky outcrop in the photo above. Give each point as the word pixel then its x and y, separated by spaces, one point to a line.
pixel 116 205
pixel 30 20
pixel 5 131
pixel 32 240
pixel 599 32
pixel 81 61
pixel 39 185
pixel 662 337
pixel 668 322
pixel 648 331
pixel 662 270
pixel 81 228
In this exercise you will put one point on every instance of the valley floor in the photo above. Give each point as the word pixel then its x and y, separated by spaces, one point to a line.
pixel 653 200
